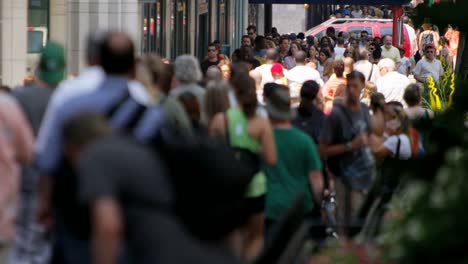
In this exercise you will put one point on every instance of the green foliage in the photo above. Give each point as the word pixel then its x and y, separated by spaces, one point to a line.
pixel 433 224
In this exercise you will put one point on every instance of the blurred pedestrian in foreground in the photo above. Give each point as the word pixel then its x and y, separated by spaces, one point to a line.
pixel 344 142
pixel 121 100
pixel 298 167
pixel 31 241
pixel 244 129
pixel 16 149
pixel 128 192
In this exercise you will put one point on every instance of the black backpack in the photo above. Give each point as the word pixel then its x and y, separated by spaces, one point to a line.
pixel 250 160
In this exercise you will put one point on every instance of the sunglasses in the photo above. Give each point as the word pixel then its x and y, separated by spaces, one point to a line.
pixel 429 51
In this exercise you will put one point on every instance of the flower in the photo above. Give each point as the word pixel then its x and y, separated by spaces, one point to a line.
pixel 452 89
pixel 433 96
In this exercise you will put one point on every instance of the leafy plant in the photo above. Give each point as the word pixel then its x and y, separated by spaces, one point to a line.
pixel 439 96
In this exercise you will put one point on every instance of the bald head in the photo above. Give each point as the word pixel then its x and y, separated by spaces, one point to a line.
pixel 272 55
pixel 118 54
pixel 363 54
pixel 300 57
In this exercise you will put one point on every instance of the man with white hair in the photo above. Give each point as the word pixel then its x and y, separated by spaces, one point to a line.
pixel 392 84
pixel 188 74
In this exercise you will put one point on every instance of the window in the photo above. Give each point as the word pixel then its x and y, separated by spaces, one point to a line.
pixel 179 27
pixel 35 41
pixel 386 31
pixel 355 32
pixel 223 21
pixel 152 28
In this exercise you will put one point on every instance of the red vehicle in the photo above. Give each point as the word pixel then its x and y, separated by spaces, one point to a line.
pixel 354 26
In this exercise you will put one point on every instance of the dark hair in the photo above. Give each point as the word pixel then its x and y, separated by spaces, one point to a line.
pixel 5 88
pixel 260 43
pixel 301 35
pixel 165 80
pixel 290 47
pixel 364 31
pixel 283 38
pixel 85 128
pixel 191 106
pixel 331 30
pixel 245 50
pixel 327 38
pixel 377 102
pixel 269 88
pixel 412 95
pixel 117 55
pixel 254 28
pixel 309 90
pixel 212 45
pixel 246 94
pixel 356 75
pixel 249 37
pixel 326 52
pixel 94 42
pixel 327 47
pixel 238 70
pixel 340 41
pixel 338 68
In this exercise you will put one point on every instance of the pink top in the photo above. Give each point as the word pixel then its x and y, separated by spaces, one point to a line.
pixel 16 148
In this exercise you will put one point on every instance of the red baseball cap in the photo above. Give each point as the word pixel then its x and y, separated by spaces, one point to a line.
pixel 277 69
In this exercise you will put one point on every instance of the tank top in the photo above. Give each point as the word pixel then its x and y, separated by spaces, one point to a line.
pixel 238 128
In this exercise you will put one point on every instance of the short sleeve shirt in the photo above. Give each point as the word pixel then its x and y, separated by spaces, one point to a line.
pixel 297 158
pixel 391 144
pixel 393 54
pixel 425 68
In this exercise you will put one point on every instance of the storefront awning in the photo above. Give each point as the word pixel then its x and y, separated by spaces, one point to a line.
pixel 333 2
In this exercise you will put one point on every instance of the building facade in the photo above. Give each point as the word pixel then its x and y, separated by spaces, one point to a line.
pixel 166 27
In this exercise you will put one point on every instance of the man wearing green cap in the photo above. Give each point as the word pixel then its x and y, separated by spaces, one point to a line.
pixel 50 72
pixel 298 169
pixel 33 99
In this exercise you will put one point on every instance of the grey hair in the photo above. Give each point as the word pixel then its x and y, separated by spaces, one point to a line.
pixel 187 69
pixel 363 54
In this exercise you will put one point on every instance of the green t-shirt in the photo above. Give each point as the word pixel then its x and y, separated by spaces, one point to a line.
pixel 297 156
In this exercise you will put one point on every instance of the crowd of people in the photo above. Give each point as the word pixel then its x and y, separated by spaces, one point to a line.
pixel 146 160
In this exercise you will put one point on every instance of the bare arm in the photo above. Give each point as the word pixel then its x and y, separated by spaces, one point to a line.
pixel 316 181
pixel 268 144
pixel 108 229
pixel 381 152
pixel 44 211
pixel 217 128
pixel 418 78
pixel 328 150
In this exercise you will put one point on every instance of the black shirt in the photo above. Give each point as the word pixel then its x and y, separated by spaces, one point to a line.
pixel 206 64
pixel 310 121
pixel 135 177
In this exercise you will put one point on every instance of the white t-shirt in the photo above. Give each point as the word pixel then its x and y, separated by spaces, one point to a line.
pixel 339 52
pixel 405 63
pixel 265 71
pixel 393 86
pixel 391 144
pixel 298 75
